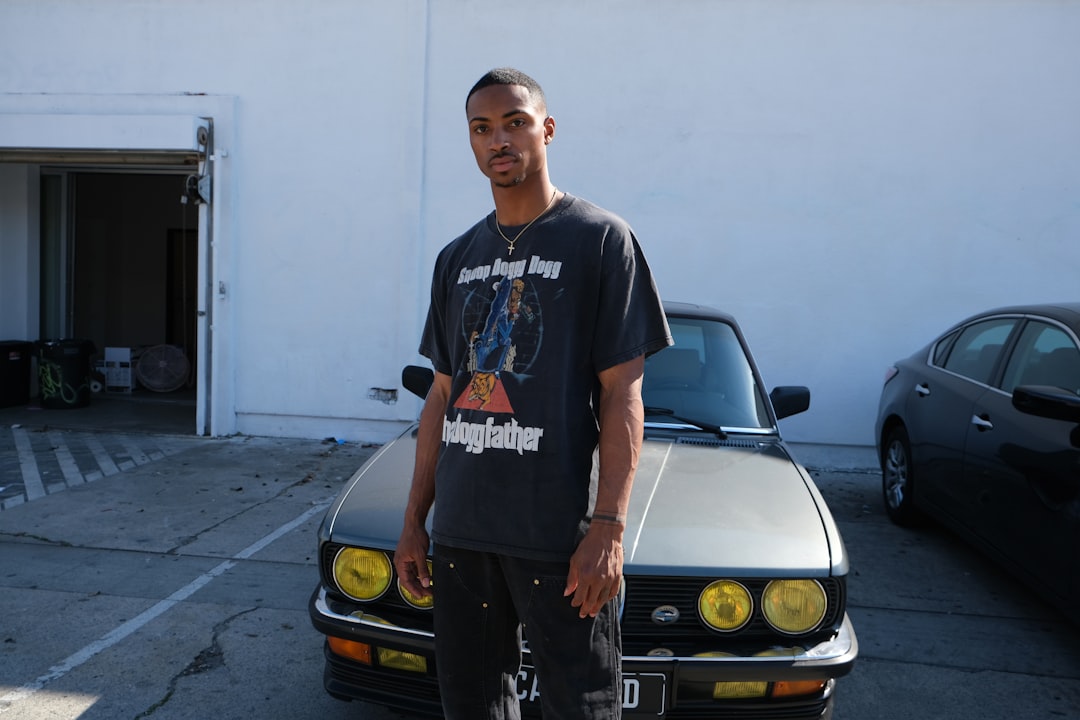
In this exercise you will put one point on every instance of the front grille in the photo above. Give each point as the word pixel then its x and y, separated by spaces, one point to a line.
pixel 689 634
pixel 643 595
pixel 688 700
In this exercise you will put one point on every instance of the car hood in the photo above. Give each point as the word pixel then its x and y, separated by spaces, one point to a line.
pixel 695 509
pixel 714 508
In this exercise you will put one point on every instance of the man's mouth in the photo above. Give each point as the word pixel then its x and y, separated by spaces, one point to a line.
pixel 502 163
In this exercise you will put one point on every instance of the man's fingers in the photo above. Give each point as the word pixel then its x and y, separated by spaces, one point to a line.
pixel 422 573
pixel 591 603
pixel 571 583
pixel 588 599
pixel 414 576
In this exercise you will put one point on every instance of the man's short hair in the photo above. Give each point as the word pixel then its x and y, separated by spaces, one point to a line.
pixel 510 76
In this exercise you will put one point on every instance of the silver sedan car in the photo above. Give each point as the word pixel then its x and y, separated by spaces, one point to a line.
pixel 733 602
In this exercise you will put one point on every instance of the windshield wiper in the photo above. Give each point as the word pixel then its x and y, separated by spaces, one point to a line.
pixel 708 427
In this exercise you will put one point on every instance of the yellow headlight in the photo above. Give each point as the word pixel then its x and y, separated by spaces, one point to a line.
pixel 794 606
pixel 725 605
pixel 362 574
pixel 420 603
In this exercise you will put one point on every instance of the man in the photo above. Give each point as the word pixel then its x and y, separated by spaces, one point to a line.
pixel 541 316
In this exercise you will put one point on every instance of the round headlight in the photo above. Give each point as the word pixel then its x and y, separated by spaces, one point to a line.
pixel 362 574
pixel 794 606
pixel 725 605
pixel 420 603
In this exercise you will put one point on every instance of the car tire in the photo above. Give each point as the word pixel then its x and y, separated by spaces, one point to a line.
pixel 898 478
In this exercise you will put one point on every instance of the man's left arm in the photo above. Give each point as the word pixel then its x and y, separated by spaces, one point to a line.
pixel 596 567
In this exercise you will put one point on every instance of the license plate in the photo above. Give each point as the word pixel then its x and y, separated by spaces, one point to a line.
pixel 643 693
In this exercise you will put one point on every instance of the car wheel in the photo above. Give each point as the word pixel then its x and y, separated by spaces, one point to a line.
pixel 897 478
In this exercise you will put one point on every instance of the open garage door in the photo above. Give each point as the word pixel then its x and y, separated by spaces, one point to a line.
pixel 124 239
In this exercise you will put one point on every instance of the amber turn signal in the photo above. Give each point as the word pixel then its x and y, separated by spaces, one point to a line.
pixel 360 652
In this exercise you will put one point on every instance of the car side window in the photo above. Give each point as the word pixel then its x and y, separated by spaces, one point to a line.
pixel 976 350
pixel 1045 355
pixel 941 350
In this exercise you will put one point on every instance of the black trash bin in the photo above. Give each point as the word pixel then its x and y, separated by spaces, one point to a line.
pixel 15 372
pixel 64 372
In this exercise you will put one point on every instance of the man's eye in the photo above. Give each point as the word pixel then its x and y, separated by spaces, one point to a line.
pixel 480 129
pixel 517 123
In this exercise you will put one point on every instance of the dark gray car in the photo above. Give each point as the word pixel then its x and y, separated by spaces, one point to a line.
pixel 979 430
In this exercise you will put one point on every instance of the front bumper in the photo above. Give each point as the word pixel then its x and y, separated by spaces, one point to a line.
pixel 687 681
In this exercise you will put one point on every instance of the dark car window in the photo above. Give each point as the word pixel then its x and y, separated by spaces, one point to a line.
pixel 705 376
pixel 1045 355
pixel 977 348
pixel 941 350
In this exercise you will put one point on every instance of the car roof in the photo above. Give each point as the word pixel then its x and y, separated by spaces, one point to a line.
pixel 1067 312
pixel 690 310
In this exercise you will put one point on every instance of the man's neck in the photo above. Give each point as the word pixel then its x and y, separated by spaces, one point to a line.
pixel 519 204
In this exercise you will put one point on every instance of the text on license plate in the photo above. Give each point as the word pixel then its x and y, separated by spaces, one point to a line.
pixel 643 693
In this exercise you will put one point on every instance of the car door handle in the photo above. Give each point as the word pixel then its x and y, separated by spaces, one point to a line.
pixel 982 422
pixel 922 389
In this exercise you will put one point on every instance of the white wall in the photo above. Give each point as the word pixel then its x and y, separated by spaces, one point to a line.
pixel 846 177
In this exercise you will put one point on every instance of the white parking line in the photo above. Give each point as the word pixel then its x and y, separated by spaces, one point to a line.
pixel 134 451
pixel 28 464
pixel 108 467
pixel 68 466
pixel 7 702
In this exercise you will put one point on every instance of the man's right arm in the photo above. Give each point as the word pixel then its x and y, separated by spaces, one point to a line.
pixel 410 558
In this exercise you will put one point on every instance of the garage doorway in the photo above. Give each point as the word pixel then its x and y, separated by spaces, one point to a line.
pixel 119 267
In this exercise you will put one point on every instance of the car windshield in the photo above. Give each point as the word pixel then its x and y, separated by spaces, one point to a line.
pixel 704 377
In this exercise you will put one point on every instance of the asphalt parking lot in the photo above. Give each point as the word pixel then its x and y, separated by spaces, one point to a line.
pixel 176 586
pixel 943 633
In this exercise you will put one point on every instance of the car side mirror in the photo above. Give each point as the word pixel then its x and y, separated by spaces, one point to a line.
pixel 788 400
pixel 1048 402
pixel 417 380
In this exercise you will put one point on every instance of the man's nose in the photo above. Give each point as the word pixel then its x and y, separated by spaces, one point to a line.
pixel 499 140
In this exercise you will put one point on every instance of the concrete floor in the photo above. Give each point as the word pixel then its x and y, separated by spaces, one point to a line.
pixel 141 411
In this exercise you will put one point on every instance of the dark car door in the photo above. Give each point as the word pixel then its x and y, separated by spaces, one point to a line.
pixel 940 408
pixel 1027 468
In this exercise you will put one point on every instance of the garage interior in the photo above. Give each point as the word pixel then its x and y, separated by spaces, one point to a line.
pixel 119 268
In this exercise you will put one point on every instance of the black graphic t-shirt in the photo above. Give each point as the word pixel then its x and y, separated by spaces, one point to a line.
pixel 523 336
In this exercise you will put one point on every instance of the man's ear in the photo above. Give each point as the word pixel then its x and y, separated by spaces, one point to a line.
pixel 549 129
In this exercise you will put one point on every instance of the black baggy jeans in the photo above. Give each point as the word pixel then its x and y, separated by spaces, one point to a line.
pixel 483 601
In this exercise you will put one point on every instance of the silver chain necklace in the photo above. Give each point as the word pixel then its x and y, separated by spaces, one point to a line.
pixel 510 243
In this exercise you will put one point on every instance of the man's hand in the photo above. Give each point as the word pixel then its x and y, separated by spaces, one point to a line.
pixel 596 568
pixel 410 561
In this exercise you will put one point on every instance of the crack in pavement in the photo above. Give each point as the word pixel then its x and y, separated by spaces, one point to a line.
pixel 209 658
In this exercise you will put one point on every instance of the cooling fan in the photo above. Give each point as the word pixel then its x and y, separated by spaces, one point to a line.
pixel 162 368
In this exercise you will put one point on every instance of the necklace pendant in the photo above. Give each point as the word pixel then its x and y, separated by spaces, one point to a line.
pixel 510 243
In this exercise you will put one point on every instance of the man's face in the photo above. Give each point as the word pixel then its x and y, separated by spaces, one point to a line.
pixel 508 130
